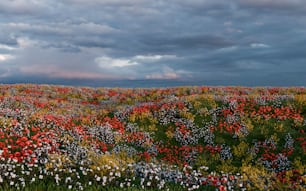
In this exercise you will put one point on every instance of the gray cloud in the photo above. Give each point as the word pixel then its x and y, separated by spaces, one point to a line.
pixel 284 5
pixel 245 42
pixel 22 6
pixel 188 42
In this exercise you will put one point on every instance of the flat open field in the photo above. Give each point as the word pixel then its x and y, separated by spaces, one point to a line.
pixel 184 138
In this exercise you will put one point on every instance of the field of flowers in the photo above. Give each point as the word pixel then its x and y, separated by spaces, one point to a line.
pixel 183 138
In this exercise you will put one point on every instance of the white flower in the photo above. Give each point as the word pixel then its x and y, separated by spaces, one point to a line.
pixel 98 178
pixel 68 179
pixel 40 176
pixel 104 179
pixel 195 186
pixel 57 179
pixel 13 175
pixel 118 174
pixel 70 187
pixel 142 181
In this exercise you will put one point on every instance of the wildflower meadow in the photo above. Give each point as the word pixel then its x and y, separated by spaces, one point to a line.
pixel 180 138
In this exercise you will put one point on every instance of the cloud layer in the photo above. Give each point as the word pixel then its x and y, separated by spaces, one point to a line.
pixel 244 42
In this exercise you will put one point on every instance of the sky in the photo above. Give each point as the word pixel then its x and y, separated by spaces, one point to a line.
pixel 153 43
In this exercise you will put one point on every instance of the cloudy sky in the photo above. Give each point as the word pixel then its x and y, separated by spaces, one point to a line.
pixel 194 42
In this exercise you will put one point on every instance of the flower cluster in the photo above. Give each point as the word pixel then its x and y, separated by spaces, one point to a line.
pixel 192 138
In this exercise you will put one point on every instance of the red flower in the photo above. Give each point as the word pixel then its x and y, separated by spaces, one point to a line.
pixel 17 154
pixel 24 139
pixel 222 188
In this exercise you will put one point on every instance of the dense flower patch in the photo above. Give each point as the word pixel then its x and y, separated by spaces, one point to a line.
pixel 224 138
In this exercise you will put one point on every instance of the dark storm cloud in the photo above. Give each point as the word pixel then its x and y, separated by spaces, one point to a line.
pixel 239 42
pixel 7 40
pixel 187 42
